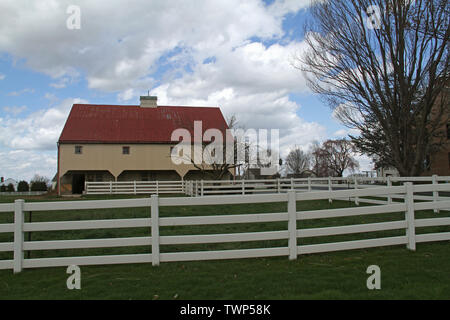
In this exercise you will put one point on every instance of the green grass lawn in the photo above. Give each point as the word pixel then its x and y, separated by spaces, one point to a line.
pixel 423 274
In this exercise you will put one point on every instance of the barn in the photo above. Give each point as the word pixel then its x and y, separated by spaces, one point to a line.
pixel 127 142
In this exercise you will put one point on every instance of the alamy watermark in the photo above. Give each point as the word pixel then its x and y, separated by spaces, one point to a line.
pixel 258 147
pixel 73 281
pixel 73 22
pixel 374 280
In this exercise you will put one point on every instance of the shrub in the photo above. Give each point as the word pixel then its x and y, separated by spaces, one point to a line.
pixel 23 186
pixel 10 188
pixel 38 186
pixel 2 188
pixel 39 183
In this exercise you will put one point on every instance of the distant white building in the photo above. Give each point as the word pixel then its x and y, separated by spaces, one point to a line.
pixel 363 174
pixel 10 181
pixel 386 172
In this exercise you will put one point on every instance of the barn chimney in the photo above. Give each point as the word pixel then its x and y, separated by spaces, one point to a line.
pixel 149 102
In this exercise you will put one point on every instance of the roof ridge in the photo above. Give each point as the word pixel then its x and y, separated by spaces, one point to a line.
pixel 133 105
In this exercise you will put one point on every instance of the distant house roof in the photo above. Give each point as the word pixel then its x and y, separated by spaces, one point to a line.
pixel 8 181
pixel 89 123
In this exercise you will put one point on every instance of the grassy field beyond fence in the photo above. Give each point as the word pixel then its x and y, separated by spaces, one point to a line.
pixel 423 274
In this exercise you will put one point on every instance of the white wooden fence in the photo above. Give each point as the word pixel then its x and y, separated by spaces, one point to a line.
pixel 134 187
pixel 154 223
pixel 216 187
pixel 245 187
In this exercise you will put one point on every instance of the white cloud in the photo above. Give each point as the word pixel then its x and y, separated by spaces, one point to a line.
pixel 52 98
pixel 15 110
pixel 2 76
pixel 343 133
pixel 129 49
pixel 126 95
pixel 252 82
pixel 39 130
pixel 283 7
pixel 62 83
pixel 340 133
pixel 365 163
pixel 271 110
pixel 24 164
pixel 21 92
pixel 119 44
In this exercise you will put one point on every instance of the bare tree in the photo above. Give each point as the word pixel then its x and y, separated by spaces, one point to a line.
pixel 38 178
pixel 332 158
pixel 319 161
pixel 339 156
pixel 297 161
pixel 220 161
pixel 383 66
pixel 245 145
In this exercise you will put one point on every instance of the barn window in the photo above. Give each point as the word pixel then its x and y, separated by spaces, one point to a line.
pixel 78 149
pixel 125 150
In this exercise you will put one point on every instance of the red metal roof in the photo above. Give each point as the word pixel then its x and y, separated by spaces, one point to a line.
pixel 89 123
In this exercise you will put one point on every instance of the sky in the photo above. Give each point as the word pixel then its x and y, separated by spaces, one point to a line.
pixel 237 55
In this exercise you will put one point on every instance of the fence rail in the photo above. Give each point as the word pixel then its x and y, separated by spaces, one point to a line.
pixel 23 193
pixel 134 187
pixel 154 222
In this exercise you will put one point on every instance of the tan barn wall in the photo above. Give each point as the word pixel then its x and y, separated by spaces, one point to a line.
pixel 142 157
pixel 109 161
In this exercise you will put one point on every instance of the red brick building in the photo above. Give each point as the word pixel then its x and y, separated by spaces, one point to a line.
pixel 439 162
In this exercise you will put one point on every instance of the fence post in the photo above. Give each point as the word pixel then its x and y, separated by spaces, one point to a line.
pixel 292 184
pixel 18 235
pixel 110 187
pixel 409 215
pixel 155 229
pixel 309 184
pixel 134 186
pixel 292 225
pixel 157 187
pixel 201 186
pixel 356 188
pixel 243 186
pixel 330 188
pixel 278 185
pixel 435 193
pixel 389 184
